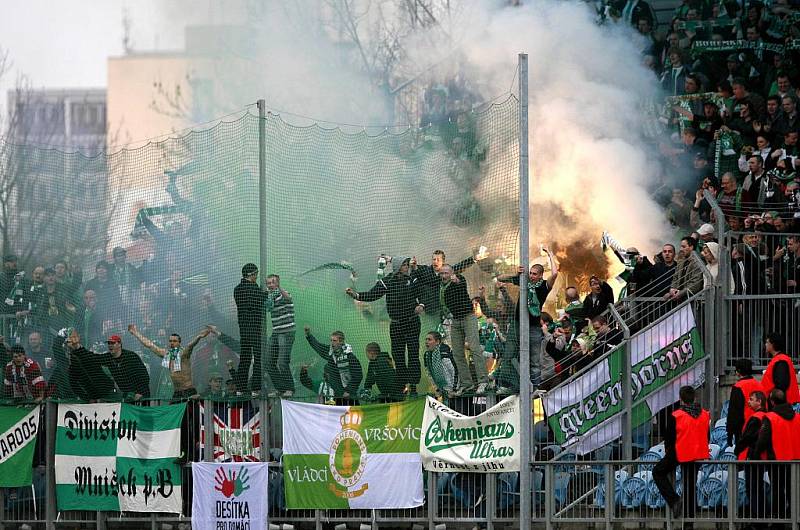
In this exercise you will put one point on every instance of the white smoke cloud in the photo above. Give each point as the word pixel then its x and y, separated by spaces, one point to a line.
pixel 587 153
pixel 590 167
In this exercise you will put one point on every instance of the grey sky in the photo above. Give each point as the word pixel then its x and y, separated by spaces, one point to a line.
pixel 65 43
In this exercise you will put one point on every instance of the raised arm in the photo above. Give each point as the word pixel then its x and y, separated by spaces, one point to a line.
pixel 187 351
pixel 553 269
pixel 377 292
pixel 147 343
pixel 317 346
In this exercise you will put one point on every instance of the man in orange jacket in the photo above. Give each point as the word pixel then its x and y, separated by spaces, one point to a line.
pixel 777 439
pixel 739 410
pixel 780 372
pixel 685 442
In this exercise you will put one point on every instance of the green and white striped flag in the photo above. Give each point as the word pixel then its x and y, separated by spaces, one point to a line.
pixel 18 427
pixel 119 457
pixel 352 457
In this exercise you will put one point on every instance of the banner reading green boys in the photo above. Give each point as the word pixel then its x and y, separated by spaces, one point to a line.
pixel 119 457
pixel 18 428
pixel 352 457
pixel 487 443
pixel 585 411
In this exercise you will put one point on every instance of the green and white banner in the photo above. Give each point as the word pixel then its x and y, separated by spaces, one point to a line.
pixel 584 413
pixel 18 428
pixel 119 457
pixel 352 457
pixel 486 443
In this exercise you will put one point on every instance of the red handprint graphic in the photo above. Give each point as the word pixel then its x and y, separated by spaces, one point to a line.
pixel 232 485
pixel 224 484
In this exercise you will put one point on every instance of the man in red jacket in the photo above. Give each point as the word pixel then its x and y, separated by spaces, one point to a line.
pixel 738 409
pixel 780 371
pixel 777 439
pixel 685 442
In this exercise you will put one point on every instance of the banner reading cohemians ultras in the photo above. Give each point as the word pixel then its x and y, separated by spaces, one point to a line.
pixel 663 358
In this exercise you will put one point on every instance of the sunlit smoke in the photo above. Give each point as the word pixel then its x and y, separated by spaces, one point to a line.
pixel 590 167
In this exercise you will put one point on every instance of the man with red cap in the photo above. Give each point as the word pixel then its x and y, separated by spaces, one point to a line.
pixel 127 369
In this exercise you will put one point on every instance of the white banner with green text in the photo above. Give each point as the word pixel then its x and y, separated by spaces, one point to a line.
pixel 486 443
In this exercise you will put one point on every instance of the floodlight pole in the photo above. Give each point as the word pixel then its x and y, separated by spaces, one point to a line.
pixel 524 322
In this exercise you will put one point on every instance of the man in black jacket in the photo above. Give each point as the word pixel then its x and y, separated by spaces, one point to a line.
pixel 127 369
pixel 249 298
pixel 342 374
pixel 455 302
pixel 402 293
pixel 429 275
pixel 86 376
pixel 654 279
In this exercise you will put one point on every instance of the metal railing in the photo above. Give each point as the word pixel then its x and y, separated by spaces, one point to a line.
pixel 566 490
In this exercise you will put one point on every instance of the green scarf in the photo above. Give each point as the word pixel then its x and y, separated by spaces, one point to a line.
pixel 341 358
pixel 534 306
pixel 442 289
pixel 87 316
pixel 172 360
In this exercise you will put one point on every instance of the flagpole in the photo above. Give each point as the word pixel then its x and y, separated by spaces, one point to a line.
pixel 524 322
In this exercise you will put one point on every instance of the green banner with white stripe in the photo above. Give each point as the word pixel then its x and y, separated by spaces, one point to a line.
pixel 119 457
pixel 18 428
pixel 584 413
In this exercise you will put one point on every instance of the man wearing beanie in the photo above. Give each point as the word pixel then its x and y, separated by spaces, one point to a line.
pixel 402 293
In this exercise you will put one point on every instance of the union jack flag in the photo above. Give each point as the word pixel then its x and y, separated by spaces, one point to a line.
pixel 237 432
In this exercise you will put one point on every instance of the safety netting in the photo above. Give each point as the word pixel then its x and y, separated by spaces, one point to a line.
pixel 142 254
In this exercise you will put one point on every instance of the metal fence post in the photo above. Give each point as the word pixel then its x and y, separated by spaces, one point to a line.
pixel 733 495
pixel 51 420
pixel 549 496
pixel 432 500
pixel 524 323
pixel 795 495
pixel 208 425
pixel 627 390
pixel 608 474
pixel 712 375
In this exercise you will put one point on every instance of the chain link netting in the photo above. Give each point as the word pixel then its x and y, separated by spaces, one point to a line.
pixel 141 250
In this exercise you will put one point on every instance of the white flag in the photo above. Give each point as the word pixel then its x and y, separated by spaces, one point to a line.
pixel 229 496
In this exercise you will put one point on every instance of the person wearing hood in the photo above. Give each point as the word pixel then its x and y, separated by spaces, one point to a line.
pixel 402 292
pixel 710 254
pixel 777 440
pixel 745 449
pixel 685 442
pixel 342 374
pixel 739 411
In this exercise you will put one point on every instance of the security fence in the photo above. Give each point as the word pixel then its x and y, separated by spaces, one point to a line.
pixel 567 489
pixel 758 295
